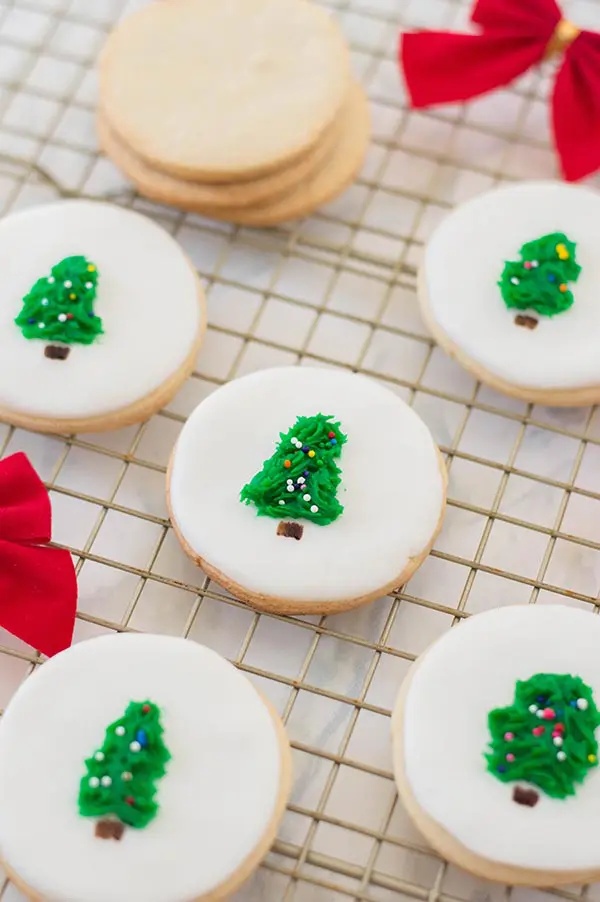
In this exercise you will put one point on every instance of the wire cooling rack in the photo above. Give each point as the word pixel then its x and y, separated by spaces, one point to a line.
pixel 337 289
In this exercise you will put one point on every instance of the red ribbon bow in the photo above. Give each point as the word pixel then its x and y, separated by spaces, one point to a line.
pixel 441 67
pixel 38 587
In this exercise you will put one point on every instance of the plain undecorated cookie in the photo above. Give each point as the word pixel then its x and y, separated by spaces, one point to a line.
pixel 295 558
pixel 189 195
pixel 143 313
pixel 548 359
pixel 520 684
pixel 223 91
pixel 69 753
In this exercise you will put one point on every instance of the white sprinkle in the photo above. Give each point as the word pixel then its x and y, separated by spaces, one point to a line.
pixel 282 501
pixel 62 317
pixel 557 740
pixel 534 264
pixel 293 440
pixel 306 497
pixel 68 284
pixel 290 488
pixel 120 731
pixel 89 285
pixel 290 481
pixel 514 280
pixel 51 281
pixel 99 756
pixel 532 709
pixel 314 508
pixel 560 756
pixel 540 713
pixel 106 781
pixel 94 782
pixel 301 480
pixel 41 325
pixel 45 302
pixel 582 704
pixel 127 776
pixel 134 746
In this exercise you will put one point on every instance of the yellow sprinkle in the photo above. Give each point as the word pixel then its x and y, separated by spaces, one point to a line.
pixel 91 268
pixel 560 248
pixel 592 759
pixel 311 453
pixel 73 297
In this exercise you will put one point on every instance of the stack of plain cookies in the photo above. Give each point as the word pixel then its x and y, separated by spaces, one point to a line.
pixel 243 110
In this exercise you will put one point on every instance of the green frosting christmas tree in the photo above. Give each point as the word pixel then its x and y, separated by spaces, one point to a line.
pixel 301 479
pixel 546 737
pixel 119 786
pixel 60 307
pixel 539 281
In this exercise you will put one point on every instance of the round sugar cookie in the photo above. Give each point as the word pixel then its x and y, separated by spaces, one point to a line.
pixel 155 770
pixel 306 490
pixel 495 745
pixel 101 317
pixel 168 189
pixel 508 286
pixel 223 91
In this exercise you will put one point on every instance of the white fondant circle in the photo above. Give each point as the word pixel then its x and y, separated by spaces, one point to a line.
pixel 441 732
pixel 463 263
pixel 216 800
pixel 392 488
pixel 147 298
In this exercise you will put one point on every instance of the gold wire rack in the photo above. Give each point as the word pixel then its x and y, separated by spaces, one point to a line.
pixel 337 289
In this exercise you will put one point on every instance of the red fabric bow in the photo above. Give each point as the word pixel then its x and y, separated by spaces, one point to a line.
pixel 441 67
pixel 38 587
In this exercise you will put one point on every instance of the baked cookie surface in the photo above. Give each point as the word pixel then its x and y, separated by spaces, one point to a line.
pixel 508 286
pixel 304 489
pixel 156 772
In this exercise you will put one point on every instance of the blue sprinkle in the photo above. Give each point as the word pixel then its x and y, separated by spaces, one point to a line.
pixel 141 738
pixel 551 278
pixel 573 703
pixel 91 314
pixel 334 441
pixel 541 699
pixel 31 320
pixel 305 448
pixel 306 473
pixel 559 712
pixel 501 769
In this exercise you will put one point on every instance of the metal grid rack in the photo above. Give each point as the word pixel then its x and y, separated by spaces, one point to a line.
pixel 337 289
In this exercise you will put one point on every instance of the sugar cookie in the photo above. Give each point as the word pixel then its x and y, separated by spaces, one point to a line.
pixel 508 286
pixel 156 772
pixel 223 91
pixel 101 317
pixel 496 745
pixel 306 490
pixel 167 189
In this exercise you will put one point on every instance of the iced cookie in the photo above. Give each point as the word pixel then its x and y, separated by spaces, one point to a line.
pixel 101 317
pixel 508 286
pixel 156 772
pixel 306 490
pixel 223 91
pixel 496 745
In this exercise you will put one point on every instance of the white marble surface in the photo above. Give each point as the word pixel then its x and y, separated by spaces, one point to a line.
pixel 336 289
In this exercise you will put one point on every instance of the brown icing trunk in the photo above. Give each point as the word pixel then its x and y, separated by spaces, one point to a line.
pixel 290 530
pixel 57 352
pixel 108 828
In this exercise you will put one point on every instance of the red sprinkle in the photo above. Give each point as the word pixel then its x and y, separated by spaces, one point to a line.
pixel 537 731
pixel 129 800
pixel 548 713
pixel 70 316
pixel 559 728
pixel 145 709
pixel 527 264
pixel 331 435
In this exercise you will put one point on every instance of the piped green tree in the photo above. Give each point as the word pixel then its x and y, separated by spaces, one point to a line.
pixel 539 281
pixel 60 307
pixel 119 784
pixel 301 479
pixel 546 737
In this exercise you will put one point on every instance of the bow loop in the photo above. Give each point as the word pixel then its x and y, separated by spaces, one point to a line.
pixel 442 67
pixel 38 587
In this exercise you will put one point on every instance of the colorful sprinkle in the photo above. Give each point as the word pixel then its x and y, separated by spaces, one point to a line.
pixel 549 714
pixel 145 709
pixel 91 268
pixel 527 264
pixel 287 464
pixel 510 757
pixel 311 453
pixel 592 759
pixel 509 736
pixel 126 776
pixel 331 435
pixel 538 731
pixel 129 800
pixel 551 277
pixel 563 287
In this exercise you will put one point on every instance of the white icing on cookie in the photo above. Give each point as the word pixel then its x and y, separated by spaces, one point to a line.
pixel 216 800
pixel 443 734
pixel 463 263
pixel 392 489
pixel 147 298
